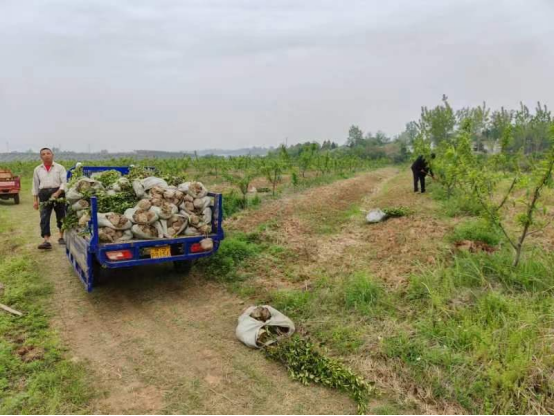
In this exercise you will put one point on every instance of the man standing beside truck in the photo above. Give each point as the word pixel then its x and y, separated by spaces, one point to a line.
pixel 49 181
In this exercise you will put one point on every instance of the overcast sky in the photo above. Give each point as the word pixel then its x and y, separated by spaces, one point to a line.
pixel 184 75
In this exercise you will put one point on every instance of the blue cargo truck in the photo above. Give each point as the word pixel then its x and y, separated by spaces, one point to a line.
pixel 88 256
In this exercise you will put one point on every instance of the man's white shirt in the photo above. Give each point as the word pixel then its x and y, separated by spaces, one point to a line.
pixel 54 178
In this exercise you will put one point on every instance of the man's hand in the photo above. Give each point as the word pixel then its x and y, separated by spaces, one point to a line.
pixel 56 195
pixel 35 205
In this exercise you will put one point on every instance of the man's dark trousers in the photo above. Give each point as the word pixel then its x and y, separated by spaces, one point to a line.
pixel 419 178
pixel 46 211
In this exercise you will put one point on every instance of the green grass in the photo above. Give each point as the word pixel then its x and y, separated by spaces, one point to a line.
pixel 336 309
pixel 234 250
pixel 364 294
pixel 473 330
pixel 344 338
pixel 331 220
pixel 457 204
pixel 476 332
pixel 42 380
pixel 476 230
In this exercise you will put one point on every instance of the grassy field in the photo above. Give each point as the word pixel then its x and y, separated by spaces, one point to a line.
pixel 36 375
pixel 434 328
pixel 437 328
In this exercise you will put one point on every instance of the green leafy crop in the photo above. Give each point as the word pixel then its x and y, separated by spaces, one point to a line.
pixel 305 363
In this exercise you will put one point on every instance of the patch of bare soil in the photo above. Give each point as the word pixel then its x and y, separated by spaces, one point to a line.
pixel 30 353
pixel 474 246
pixel 326 200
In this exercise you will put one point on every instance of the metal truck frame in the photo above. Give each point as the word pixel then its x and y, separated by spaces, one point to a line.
pixel 88 256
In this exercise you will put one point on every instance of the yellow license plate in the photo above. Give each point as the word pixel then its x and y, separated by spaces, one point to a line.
pixel 159 252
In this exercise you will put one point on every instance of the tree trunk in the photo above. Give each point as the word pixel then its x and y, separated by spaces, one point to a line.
pixel 518 255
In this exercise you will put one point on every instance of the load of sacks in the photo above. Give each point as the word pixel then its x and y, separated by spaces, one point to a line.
pixel 162 211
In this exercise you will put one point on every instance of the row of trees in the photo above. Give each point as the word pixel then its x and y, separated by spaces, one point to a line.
pixel 529 131
pixel 243 170
pixel 508 185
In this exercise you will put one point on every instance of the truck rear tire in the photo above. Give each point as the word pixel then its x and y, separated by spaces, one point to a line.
pixel 16 199
pixel 183 266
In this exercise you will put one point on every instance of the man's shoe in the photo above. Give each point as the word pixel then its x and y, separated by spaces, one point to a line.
pixel 45 246
pixel 61 241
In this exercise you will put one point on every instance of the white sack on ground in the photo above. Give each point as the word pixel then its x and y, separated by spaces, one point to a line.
pixel 248 328
pixel 375 216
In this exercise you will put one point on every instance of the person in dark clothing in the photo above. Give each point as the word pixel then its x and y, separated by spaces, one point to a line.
pixel 420 169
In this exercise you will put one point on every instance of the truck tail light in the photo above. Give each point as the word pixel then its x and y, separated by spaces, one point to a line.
pixel 118 255
pixel 196 248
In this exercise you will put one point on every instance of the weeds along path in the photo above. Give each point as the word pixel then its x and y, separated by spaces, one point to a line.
pixel 327 240
pixel 156 341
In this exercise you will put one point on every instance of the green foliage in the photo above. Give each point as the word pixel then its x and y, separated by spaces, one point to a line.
pixel 70 221
pixel 459 204
pixel 273 169
pixel 75 176
pixel 478 182
pixel 242 180
pixel 232 203
pixel 363 293
pixel 437 125
pixel 476 330
pixel 396 212
pixel 477 230
pixel 292 302
pixel 174 180
pixel 52 201
pixel 108 177
pixel 233 251
pixel 306 364
pixel 138 172
pixel 43 380
pixel 116 203
pixel 294 179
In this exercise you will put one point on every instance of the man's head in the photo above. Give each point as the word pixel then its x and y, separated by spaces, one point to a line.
pixel 46 155
pixel 433 155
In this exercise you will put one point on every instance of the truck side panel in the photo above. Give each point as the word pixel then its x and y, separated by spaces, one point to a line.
pixel 77 250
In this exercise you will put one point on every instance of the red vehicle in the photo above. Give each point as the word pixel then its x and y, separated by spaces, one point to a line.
pixel 9 185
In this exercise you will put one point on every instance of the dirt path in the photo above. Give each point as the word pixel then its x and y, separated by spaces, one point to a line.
pixel 157 342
